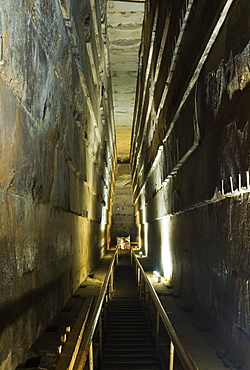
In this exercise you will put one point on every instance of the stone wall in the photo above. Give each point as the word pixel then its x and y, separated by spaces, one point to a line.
pixel 190 144
pixel 123 219
pixel 57 160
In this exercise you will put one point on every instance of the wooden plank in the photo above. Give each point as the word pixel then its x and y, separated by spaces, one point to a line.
pixel 70 350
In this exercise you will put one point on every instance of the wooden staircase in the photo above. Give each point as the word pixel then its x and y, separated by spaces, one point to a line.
pixel 127 340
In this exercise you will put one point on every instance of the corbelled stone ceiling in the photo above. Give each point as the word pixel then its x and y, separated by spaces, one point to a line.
pixel 124 31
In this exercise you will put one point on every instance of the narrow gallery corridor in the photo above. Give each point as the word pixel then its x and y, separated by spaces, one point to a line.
pixel 125 119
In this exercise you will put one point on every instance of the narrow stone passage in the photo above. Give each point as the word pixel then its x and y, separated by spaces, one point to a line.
pixel 124 283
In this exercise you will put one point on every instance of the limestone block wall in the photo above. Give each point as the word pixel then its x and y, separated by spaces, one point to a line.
pixel 190 157
pixel 123 214
pixel 57 160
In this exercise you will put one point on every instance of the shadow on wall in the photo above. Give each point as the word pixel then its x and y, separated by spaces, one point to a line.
pixel 12 311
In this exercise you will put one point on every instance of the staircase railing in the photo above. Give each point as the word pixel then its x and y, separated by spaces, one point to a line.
pixel 86 351
pixel 149 297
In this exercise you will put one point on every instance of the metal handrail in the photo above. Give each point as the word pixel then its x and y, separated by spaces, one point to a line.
pixel 175 343
pixel 86 348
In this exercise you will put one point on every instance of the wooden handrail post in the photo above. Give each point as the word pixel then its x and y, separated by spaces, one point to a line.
pixel 138 278
pixel 153 299
pixel 105 315
pixel 100 335
pixel 171 356
pixel 86 346
pixel 91 358
pixel 157 333
pixel 117 256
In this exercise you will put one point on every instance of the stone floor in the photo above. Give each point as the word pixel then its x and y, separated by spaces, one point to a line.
pixel 201 343
pixel 43 354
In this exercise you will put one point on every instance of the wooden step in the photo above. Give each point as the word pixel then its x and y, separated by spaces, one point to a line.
pixel 127 341
pixel 127 336
pixel 134 350
pixel 110 366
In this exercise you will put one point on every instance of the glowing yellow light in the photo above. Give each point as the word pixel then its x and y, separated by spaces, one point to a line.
pixel 103 219
pixel 63 338
pixel 146 239
pixel 157 276
pixel 166 258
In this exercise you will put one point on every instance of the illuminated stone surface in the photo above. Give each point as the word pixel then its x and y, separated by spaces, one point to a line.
pixel 60 148
pixel 188 139
pixel 124 32
pixel 56 165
